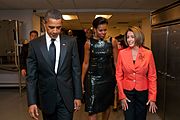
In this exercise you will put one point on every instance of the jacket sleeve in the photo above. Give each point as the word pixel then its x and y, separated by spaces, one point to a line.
pixel 76 72
pixel 23 57
pixel 31 76
pixel 152 79
pixel 119 77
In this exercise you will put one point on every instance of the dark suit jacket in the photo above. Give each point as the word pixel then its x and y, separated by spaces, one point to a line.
pixel 42 78
pixel 23 56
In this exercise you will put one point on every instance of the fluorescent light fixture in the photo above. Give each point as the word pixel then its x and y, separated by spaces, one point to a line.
pixel 70 17
pixel 104 16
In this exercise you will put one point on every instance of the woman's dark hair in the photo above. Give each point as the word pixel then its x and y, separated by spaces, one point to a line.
pixel 99 21
pixel 138 34
pixel 120 38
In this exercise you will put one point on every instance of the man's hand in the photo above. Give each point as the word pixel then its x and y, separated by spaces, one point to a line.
pixel 77 104
pixel 33 111
pixel 23 72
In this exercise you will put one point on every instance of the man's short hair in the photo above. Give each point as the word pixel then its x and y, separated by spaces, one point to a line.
pixel 34 31
pixel 53 13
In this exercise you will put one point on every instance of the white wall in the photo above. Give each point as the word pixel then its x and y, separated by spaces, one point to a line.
pixel 120 29
pixel 24 16
pixel 36 23
pixel 32 22
pixel 146 29
pixel 145 25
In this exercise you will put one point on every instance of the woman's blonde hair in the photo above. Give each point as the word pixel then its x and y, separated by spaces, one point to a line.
pixel 138 34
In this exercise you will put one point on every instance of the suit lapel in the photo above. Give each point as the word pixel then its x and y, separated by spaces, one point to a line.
pixel 63 50
pixel 43 47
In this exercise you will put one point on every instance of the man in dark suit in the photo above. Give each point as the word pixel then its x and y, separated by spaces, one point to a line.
pixel 53 80
pixel 24 52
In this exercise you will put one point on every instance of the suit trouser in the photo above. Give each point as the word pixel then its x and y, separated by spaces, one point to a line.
pixel 137 108
pixel 61 112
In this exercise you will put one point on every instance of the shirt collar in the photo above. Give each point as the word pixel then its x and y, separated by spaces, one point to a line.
pixel 49 38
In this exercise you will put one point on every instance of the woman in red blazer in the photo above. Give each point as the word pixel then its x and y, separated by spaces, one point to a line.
pixel 136 77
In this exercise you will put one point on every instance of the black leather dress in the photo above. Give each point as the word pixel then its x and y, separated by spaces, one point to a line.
pixel 100 78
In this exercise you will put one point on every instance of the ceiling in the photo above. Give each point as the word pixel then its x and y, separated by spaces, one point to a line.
pixel 123 11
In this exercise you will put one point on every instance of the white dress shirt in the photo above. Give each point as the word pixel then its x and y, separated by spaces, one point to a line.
pixel 57 44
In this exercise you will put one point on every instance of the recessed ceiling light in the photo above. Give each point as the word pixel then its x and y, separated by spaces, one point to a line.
pixel 104 16
pixel 70 17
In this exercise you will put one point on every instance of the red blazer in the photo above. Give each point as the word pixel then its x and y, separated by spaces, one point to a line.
pixel 139 76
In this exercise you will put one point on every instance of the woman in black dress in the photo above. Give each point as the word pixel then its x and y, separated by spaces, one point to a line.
pixel 98 79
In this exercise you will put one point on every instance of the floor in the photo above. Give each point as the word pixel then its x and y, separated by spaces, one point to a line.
pixel 14 107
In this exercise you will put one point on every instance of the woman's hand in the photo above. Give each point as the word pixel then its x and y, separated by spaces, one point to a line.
pixel 152 106
pixel 124 103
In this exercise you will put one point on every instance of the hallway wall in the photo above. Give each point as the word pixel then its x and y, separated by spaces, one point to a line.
pixel 24 16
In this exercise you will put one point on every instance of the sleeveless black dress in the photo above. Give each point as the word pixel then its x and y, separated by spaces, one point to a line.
pixel 100 78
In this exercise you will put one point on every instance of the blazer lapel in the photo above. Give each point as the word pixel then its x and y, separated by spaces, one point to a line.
pixel 140 57
pixel 43 47
pixel 128 58
pixel 63 50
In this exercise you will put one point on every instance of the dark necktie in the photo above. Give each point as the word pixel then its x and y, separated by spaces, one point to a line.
pixel 52 53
